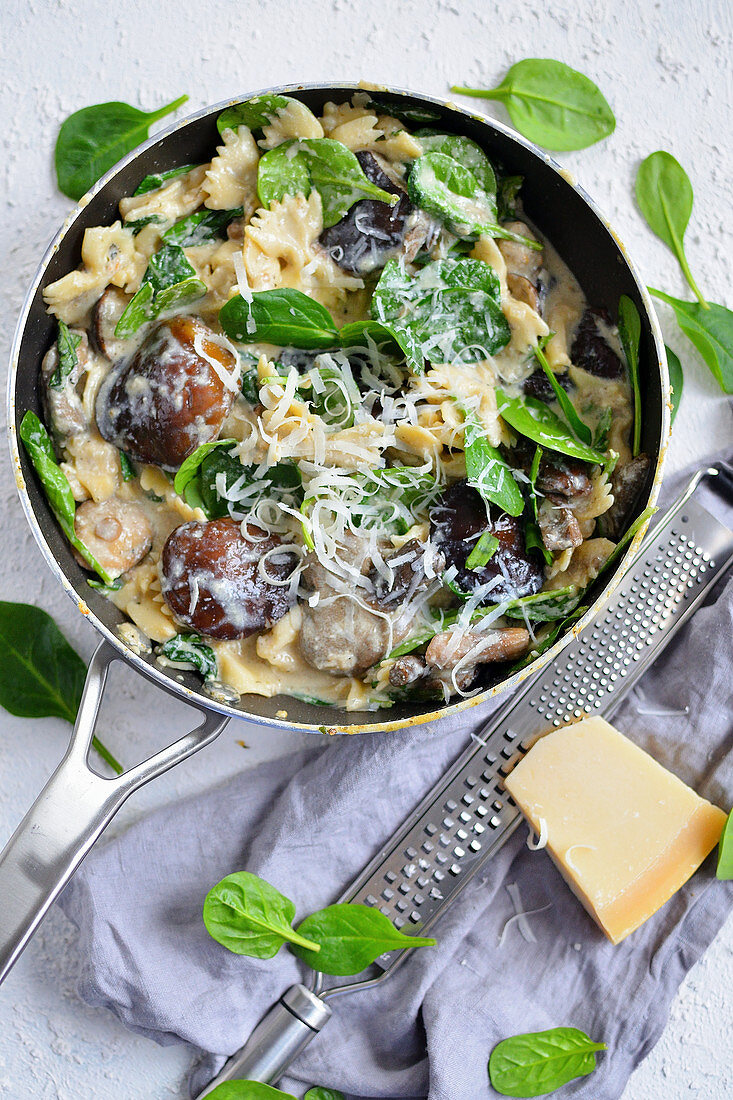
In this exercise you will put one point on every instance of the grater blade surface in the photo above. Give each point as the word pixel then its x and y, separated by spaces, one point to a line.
pixel 468 815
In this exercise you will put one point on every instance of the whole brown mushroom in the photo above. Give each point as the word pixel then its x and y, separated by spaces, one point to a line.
pixel 213 582
pixel 116 532
pixel 171 396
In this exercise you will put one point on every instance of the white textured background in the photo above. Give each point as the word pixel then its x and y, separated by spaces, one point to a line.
pixel 666 69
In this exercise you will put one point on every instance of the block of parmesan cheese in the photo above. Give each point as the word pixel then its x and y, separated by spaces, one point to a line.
pixel 624 832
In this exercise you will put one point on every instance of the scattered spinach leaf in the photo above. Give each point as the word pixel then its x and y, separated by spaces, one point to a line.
pixel 93 139
pixel 190 649
pixel 334 397
pixel 483 551
pixel 169 281
pixel 319 1093
pixel 128 470
pixel 350 937
pixel 157 179
pixel 507 193
pixel 41 676
pixel 710 330
pixel 254 113
pixel 66 344
pixel 466 152
pixel 541 1061
pixel 285 317
pixel 577 426
pixel 551 104
pixel 189 468
pixel 281 480
pixel 725 851
pixel 603 429
pixel 250 917
pixel 247 1090
pixel 139 223
pixel 533 419
pixel 37 443
pixel 676 379
pixel 629 331
pixel 487 471
pixel 201 227
pixel 664 195
pixel 324 164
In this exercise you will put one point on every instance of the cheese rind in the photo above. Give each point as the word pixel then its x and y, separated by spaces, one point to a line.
pixel 624 832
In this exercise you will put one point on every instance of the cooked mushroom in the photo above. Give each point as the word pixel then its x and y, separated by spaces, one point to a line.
pixel 116 532
pixel 222 584
pixel 371 232
pixel 171 396
pixel 406 670
pixel 519 259
pixel 456 521
pixel 537 385
pixel 590 349
pixel 559 528
pixel 523 290
pixel 408 567
pixel 445 653
pixel 62 404
pixel 105 316
pixel 558 475
pixel 626 482
pixel 341 636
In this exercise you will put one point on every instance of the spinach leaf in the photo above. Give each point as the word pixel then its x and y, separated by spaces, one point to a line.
pixel 279 481
pixel 92 140
pixel 483 551
pixel 549 639
pixel 285 317
pixel 664 195
pixel 247 1090
pixel 507 192
pixel 413 116
pixel 66 344
pixel 578 427
pixel 532 535
pixel 319 1093
pixel 41 676
pixel 100 586
pixel 169 281
pixel 487 471
pixel 350 937
pixel 202 227
pixel 139 223
pixel 603 429
pixel 677 381
pixel 357 334
pixel 551 104
pixel 543 607
pixel 250 385
pixel 295 166
pixel 629 331
pixel 190 649
pixel 413 642
pixel 189 468
pixel 466 152
pixel 254 113
pixel 37 443
pixel 249 917
pixel 541 1061
pixel 450 308
pixel 710 330
pixel 128 470
pixel 333 396
pixel 157 179
pixel 725 851
pixel 450 192
pixel 533 419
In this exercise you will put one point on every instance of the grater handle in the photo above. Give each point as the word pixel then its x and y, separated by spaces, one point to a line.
pixel 278 1039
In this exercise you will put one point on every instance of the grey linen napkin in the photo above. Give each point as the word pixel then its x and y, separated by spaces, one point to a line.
pixel 309 822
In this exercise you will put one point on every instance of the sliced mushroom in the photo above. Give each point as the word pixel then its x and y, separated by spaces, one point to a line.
pixel 341 636
pixel 558 476
pixel 406 670
pixel 538 385
pixel 171 396
pixel 105 316
pixel 591 351
pixel 371 232
pixel 444 654
pixel 559 528
pixel 457 519
pixel 519 259
pixel 222 584
pixel 116 532
pixel 626 482
pixel 409 567
pixel 62 404
pixel 523 290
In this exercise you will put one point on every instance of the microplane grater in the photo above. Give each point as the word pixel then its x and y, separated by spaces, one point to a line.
pixel 468 815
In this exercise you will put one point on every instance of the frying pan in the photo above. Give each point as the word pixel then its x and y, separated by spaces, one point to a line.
pixel 77 803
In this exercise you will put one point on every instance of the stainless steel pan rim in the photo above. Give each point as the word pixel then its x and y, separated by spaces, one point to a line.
pixel 341 718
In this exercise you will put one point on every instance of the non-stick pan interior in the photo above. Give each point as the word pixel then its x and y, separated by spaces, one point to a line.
pixel 551 201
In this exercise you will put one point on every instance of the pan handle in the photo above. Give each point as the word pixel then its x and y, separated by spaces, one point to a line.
pixel 70 813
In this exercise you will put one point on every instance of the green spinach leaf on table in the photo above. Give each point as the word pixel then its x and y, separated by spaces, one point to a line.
pixel 665 197
pixel 250 917
pixel 710 330
pixel 542 1061
pixel 350 937
pixel 93 139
